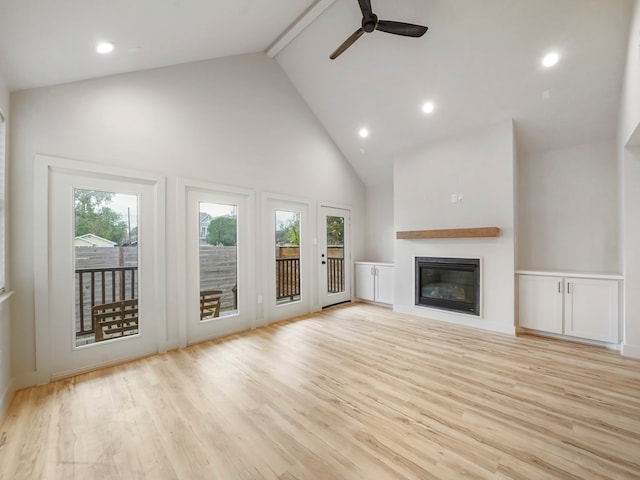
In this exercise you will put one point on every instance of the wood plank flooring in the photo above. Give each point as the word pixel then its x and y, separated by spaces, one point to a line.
pixel 354 392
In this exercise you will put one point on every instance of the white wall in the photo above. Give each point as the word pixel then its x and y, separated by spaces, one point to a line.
pixel 481 167
pixel 236 121
pixel 6 382
pixel 629 159
pixel 380 232
pixel 568 209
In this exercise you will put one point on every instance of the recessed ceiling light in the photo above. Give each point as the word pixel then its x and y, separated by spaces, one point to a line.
pixel 428 107
pixel 104 47
pixel 364 133
pixel 550 59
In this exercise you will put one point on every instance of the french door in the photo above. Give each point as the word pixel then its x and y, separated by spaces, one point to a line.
pixel 288 267
pixel 104 286
pixel 219 249
pixel 335 256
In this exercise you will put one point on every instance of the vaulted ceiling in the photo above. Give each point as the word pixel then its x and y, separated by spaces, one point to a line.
pixel 479 63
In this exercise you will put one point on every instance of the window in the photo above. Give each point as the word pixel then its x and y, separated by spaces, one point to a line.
pixel 106 265
pixel 3 229
pixel 287 256
pixel 218 260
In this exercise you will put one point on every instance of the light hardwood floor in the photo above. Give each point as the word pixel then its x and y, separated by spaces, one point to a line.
pixel 354 392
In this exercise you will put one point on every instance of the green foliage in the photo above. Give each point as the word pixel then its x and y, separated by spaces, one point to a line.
pixel 335 231
pixel 94 216
pixel 222 231
pixel 292 231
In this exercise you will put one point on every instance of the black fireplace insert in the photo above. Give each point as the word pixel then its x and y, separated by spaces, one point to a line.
pixel 448 284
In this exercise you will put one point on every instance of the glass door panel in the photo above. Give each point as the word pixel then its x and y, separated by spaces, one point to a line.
pixel 105 248
pixel 287 232
pixel 218 260
pixel 335 254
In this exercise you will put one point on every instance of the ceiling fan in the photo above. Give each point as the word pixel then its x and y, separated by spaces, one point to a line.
pixel 370 23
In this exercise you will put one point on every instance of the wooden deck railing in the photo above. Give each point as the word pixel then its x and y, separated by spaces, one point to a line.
pixel 287 278
pixel 335 275
pixel 97 286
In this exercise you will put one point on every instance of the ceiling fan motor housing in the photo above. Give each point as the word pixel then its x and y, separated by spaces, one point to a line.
pixel 369 22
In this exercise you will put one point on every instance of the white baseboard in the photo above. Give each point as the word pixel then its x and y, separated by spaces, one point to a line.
pixel 632 351
pixel 385 305
pixel 558 336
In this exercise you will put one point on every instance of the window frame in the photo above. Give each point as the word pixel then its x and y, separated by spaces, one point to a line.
pixel 3 203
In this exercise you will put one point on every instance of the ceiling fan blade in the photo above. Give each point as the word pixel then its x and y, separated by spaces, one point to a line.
pixel 401 28
pixel 347 43
pixel 365 7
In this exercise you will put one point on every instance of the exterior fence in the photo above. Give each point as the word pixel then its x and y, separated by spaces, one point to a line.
pixel 218 271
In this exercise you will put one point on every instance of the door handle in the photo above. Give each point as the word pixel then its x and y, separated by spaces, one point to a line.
pixel 324 262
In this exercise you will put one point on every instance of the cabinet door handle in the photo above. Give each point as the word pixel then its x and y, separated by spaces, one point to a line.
pixel 568 287
pixel 559 287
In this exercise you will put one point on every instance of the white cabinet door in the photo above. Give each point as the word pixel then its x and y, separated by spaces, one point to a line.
pixel 540 303
pixel 365 281
pixel 384 284
pixel 591 309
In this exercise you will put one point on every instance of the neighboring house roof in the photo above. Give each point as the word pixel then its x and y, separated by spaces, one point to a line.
pixel 91 240
pixel 205 218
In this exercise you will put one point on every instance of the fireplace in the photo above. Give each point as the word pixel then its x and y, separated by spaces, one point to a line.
pixel 448 284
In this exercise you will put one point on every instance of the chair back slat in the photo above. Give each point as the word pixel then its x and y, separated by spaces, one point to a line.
pixel 116 319
pixel 210 303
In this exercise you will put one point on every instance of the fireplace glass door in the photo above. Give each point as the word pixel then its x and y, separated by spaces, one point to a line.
pixel 448 284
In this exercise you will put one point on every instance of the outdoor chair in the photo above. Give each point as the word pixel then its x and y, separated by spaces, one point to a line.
pixel 210 301
pixel 117 319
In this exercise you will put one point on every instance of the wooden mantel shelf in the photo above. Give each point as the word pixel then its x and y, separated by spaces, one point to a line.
pixel 450 233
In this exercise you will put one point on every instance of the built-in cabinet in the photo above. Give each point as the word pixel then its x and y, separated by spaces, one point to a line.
pixel 374 282
pixel 579 306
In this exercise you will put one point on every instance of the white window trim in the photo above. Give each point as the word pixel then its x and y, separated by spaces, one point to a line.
pixel 3 212
pixel 42 166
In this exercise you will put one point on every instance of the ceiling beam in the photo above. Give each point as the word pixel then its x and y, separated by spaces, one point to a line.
pixel 306 19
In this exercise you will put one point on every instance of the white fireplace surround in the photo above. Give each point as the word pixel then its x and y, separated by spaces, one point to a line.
pixel 481 167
